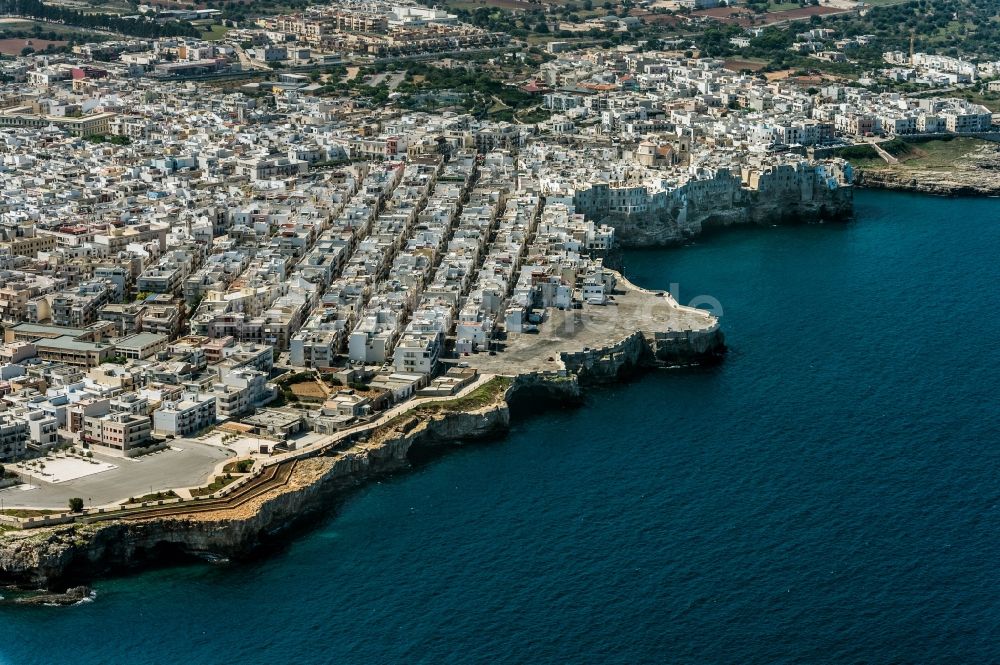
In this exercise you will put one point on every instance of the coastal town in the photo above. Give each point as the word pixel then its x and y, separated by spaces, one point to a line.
pixel 217 256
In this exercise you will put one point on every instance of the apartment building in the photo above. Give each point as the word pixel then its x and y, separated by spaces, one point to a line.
pixel 13 437
pixel 68 350
pixel 141 345
pixel 186 416
pixel 119 434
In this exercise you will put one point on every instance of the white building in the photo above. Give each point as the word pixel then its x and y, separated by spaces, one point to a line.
pixel 186 416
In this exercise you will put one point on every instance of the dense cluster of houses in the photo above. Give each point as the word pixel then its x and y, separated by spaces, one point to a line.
pixel 373 27
pixel 167 249
pixel 936 70
pixel 645 94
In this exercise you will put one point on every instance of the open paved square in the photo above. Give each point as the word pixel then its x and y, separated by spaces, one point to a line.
pixel 188 463
pixel 63 469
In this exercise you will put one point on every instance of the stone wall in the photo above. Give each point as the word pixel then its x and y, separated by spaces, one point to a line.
pixel 687 347
pixel 607 363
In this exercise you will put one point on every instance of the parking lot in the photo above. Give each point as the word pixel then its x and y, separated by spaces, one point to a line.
pixel 187 463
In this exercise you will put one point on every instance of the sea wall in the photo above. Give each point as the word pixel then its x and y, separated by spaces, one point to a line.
pixel 57 556
pixel 609 362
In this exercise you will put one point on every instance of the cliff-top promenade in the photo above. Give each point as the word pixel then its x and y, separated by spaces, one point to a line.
pixel 595 343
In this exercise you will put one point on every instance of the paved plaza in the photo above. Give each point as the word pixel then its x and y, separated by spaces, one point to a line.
pixel 62 469
pixel 187 463
pixel 632 309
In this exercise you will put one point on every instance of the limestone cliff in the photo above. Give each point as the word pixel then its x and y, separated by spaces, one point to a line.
pixel 938 183
pixel 643 350
pixel 59 555
pixel 976 173
pixel 674 224
pixel 539 388
pixel 682 348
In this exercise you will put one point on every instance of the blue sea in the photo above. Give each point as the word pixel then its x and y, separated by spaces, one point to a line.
pixel 830 493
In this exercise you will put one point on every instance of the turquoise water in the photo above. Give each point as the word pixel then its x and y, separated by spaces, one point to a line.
pixel 830 493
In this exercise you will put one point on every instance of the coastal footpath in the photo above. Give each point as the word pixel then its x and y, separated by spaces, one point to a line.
pixel 641 329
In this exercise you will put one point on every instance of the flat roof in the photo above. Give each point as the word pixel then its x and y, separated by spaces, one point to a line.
pixel 68 343
pixel 277 417
pixel 41 329
pixel 140 340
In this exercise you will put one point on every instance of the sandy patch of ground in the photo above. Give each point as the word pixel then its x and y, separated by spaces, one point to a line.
pixel 14 46
pixel 308 390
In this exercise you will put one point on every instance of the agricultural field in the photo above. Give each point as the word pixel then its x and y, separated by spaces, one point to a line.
pixel 214 32
pixel 741 64
pixel 16 46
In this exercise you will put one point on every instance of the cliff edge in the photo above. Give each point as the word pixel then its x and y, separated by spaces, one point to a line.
pixel 59 556
pixel 975 173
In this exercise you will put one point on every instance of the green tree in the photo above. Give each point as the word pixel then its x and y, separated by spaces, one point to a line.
pixel 76 505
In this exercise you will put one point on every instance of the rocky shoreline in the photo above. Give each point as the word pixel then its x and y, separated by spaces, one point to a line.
pixel 667 227
pixel 59 560
pixel 72 596
pixel 935 183
pixel 60 556
pixel 975 174
pixel 66 556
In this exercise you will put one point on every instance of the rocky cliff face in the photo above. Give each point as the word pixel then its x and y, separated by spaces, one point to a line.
pixel 639 350
pixel 668 227
pixel 539 388
pixel 938 183
pixel 677 349
pixel 610 362
pixel 56 556
pixel 974 174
